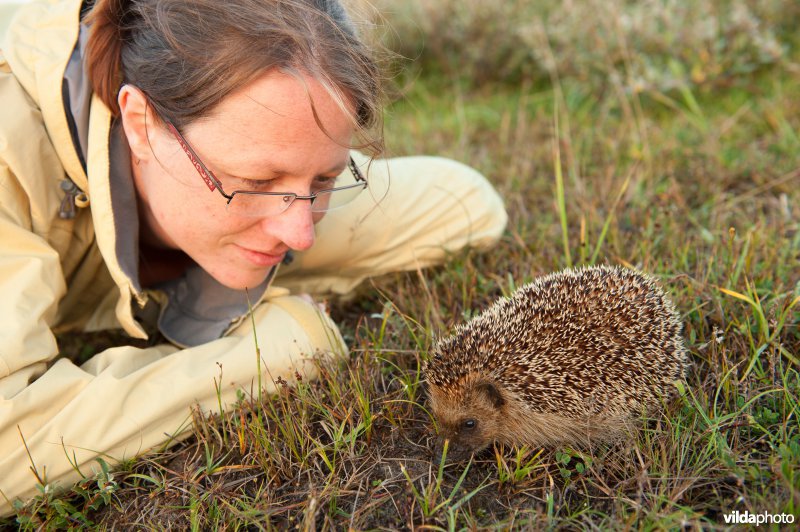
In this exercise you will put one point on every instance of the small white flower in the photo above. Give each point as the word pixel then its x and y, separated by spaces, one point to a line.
pixel 719 335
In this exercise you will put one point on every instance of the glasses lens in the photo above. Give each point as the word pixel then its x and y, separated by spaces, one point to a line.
pixel 254 204
pixel 247 204
pixel 329 200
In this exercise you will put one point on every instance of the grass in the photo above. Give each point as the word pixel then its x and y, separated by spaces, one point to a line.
pixel 691 174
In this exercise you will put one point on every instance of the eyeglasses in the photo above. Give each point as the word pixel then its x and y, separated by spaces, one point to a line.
pixel 259 204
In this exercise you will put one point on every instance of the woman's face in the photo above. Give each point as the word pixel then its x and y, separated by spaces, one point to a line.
pixel 264 136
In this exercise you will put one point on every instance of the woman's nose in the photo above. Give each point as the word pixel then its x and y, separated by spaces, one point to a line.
pixel 294 226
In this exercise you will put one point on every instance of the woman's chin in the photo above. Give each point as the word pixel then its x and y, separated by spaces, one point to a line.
pixel 241 279
pixel 240 268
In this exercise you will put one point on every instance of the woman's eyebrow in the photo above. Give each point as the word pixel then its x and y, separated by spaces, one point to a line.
pixel 268 172
pixel 335 169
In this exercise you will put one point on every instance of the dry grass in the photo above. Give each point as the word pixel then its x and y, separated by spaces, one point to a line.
pixel 694 178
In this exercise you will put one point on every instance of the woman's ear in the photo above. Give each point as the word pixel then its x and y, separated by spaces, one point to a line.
pixel 133 107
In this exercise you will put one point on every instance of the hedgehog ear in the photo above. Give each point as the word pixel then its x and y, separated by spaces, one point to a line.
pixel 491 391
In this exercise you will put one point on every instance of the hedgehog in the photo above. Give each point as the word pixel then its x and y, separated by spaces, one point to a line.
pixel 573 358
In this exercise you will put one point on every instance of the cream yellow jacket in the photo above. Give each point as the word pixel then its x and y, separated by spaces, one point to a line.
pixel 59 147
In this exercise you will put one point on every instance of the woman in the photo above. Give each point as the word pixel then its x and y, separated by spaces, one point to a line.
pixel 159 157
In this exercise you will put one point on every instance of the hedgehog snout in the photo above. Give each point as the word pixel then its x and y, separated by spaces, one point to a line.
pixel 457 450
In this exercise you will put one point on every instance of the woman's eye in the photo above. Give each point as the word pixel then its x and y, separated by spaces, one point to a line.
pixel 258 185
pixel 323 183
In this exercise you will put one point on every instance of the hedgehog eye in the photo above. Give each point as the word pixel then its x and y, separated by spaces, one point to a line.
pixel 470 424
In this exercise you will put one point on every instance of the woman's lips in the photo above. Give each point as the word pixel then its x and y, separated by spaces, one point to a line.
pixel 259 258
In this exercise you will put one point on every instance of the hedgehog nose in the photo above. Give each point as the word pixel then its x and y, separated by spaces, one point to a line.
pixel 454 452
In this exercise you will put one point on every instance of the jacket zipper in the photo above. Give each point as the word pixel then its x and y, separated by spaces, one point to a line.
pixel 67 209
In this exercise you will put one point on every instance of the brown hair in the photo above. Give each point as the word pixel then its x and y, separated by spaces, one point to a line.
pixel 188 55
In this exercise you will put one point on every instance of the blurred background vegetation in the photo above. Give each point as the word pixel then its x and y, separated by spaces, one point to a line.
pixel 638 46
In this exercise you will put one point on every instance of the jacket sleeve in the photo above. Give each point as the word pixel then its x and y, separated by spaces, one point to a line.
pixel 31 285
pixel 125 401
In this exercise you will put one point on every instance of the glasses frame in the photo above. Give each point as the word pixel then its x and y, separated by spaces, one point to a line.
pixel 213 183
